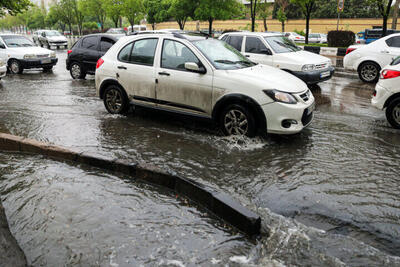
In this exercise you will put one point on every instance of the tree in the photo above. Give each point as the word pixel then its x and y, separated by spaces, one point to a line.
pixel 133 10
pixel 307 7
pixel 395 14
pixel 384 7
pixel 114 10
pixel 181 10
pixel 79 14
pixel 264 11
pixel 253 12
pixel 211 10
pixel 157 11
pixel 352 9
pixel 54 18
pixel 13 7
pixel 66 11
pixel 97 9
pixel 281 12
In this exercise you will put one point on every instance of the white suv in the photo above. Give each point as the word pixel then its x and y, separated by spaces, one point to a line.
pixel 22 54
pixel 278 51
pixel 202 77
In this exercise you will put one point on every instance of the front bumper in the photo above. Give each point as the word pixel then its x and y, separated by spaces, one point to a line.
pixel 382 95
pixel 58 44
pixel 3 71
pixel 316 76
pixel 38 63
pixel 276 113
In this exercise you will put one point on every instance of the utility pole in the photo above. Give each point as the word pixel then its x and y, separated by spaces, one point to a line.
pixel 395 14
pixel 340 7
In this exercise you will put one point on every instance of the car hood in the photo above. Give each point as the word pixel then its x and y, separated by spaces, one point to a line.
pixel 29 50
pixel 302 57
pixel 266 77
pixel 57 38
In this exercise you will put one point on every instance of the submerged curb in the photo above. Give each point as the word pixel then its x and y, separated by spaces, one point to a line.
pixel 218 203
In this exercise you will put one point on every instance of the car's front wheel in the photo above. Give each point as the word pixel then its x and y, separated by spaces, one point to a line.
pixel 76 71
pixel 393 113
pixel 237 120
pixel 116 100
pixel 48 69
pixel 369 72
pixel 15 67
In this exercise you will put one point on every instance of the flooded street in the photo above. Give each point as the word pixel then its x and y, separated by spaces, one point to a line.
pixel 328 196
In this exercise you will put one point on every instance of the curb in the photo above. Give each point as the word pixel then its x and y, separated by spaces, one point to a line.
pixel 218 203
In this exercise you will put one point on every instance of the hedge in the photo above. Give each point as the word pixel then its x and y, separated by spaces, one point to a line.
pixel 341 38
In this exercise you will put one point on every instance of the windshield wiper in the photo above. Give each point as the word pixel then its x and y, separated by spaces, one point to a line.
pixel 225 61
pixel 250 63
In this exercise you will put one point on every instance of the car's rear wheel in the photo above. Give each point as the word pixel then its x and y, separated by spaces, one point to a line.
pixel 369 72
pixel 237 120
pixel 76 71
pixel 15 67
pixel 393 113
pixel 116 100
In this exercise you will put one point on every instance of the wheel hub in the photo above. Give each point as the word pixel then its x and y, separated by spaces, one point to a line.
pixel 235 122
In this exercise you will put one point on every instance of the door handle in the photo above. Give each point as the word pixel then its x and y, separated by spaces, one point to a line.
pixel 121 67
pixel 385 51
pixel 164 73
pixel 247 55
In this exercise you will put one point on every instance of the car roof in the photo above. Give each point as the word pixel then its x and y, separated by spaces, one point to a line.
pixel 262 34
pixel 109 35
pixel 186 35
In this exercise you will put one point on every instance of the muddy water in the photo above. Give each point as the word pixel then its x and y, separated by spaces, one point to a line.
pixel 328 196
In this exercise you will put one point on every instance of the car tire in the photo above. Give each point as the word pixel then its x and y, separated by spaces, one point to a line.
pixel 115 100
pixel 15 67
pixel 76 71
pixel 47 69
pixel 236 119
pixel 369 72
pixel 393 113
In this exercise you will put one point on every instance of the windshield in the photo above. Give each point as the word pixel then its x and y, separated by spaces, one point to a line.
pixel 281 44
pixel 17 41
pixel 222 55
pixel 53 33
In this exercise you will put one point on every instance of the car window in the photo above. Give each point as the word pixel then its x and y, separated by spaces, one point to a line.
pixel 16 41
pixel 105 44
pixel 396 61
pixel 89 43
pixel 143 51
pixel 236 42
pixel 176 54
pixel 393 42
pixel 280 44
pixel 125 54
pixel 254 45
pixel 225 38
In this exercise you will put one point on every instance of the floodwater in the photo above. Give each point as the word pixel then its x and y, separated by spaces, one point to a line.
pixel 328 196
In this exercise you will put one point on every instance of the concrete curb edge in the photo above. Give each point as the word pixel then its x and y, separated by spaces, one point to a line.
pixel 218 203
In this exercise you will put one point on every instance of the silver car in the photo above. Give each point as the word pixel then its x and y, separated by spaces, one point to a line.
pixel 51 38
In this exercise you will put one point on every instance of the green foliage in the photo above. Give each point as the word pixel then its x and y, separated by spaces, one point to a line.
pixel 133 10
pixel 281 16
pixel 302 33
pixel 90 25
pixel 352 9
pixel 114 10
pixel 341 38
pixel 181 10
pixel 13 7
pixel 247 27
pixel 97 9
pixel 157 11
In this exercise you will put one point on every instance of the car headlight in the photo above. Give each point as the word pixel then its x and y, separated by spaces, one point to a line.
pixel 308 67
pixel 279 96
pixel 53 54
pixel 29 56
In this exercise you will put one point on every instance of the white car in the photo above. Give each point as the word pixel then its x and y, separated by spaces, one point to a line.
pixel 51 38
pixel 369 59
pixel 22 54
pixel 204 78
pixel 387 93
pixel 295 37
pixel 318 38
pixel 278 51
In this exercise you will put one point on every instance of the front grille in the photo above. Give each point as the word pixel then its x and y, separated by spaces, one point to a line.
pixel 58 42
pixel 306 119
pixel 306 96
pixel 43 55
pixel 321 66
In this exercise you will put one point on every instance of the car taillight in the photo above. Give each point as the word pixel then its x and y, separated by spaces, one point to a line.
pixel 99 63
pixel 349 50
pixel 297 37
pixel 389 74
pixel 69 52
pixel 374 93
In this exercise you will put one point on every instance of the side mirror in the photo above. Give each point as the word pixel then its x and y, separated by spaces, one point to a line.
pixel 193 67
pixel 266 51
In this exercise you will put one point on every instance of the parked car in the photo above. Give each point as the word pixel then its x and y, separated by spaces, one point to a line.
pixel 387 93
pixel 318 38
pixel 295 37
pixel 50 38
pixel 23 54
pixel 369 59
pixel 82 57
pixel 116 31
pixel 202 77
pixel 35 36
pixel 371 35
pixel 278 51
pixel 137 28
pixel 360 38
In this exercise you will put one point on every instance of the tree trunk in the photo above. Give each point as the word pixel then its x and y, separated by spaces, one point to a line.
pixel 384 26
pixel 307 26
pixel 265 24
pixel 210 23
pixel 395 14
pixel 283 26
pixel 181 24
pixel 153 26
pixel 253 7
pixel 116 20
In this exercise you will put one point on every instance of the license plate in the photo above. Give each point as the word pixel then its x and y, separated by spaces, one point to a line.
pixel 325 74
pixel 310 109
pixel 46 61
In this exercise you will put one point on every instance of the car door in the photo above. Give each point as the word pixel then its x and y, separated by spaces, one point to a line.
pixel 89 53
pixel 179 89
pixel 235 41
pixel 255 50
pixel 135 70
